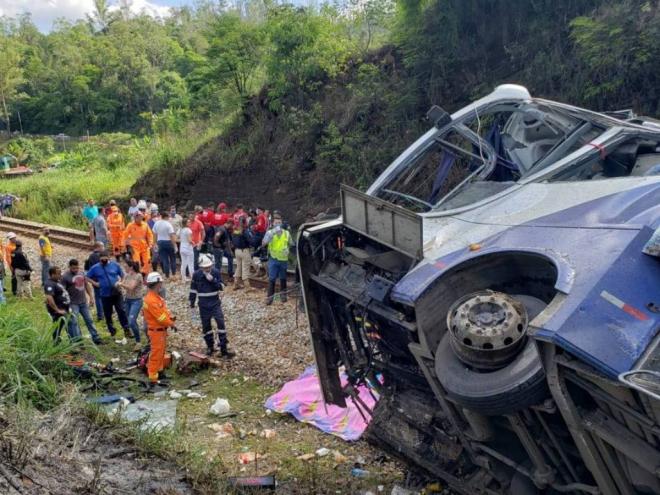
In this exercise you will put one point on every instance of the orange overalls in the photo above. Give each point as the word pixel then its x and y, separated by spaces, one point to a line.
pixel 116 226
pixel 140 238
pixel 158 319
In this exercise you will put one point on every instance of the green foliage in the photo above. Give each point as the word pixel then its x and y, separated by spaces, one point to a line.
pixel 31 365
pixel 306 47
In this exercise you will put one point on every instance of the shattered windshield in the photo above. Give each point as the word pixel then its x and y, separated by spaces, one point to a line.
pixel 485 154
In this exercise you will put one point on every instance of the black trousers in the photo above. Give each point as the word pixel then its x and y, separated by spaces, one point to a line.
pixel 117 303
pixel 210 309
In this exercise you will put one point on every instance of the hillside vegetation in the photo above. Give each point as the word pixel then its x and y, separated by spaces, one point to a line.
pixel 314 96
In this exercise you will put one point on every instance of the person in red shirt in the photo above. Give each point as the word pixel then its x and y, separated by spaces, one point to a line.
pixel 221 217
pixel 239 214
pixel 197 237
pixel 262 221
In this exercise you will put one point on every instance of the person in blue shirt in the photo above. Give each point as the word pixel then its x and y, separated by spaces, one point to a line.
pixel 106 275
pixel 90 212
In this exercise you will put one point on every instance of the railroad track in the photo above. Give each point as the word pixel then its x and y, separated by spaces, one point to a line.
pixel 80 240
pixel 58 235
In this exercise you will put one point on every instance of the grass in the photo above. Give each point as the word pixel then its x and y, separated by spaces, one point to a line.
pixel 102 169
pixel 33 375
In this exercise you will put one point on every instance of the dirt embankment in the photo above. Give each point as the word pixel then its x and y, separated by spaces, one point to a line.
pixel 293 155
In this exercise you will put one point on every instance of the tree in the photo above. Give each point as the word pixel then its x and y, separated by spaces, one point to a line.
pixel 11 75
pixel 236 52
pixel 102 17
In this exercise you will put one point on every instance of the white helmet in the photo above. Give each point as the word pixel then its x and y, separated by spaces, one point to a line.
pixel 142 205
pixel 154 207
pixel 11 235
pixel 154 277
pixel 205 261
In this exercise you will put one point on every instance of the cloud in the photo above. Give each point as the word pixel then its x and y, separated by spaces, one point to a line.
pixel 44 12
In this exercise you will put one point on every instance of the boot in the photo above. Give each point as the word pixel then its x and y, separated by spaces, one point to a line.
pixel 210 351
pixel 271 292
pixel 283 293
pixel 226 353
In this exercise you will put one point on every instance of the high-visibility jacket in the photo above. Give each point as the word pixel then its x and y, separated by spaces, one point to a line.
pixel 278 247
pixel 45 247
pixel 9 250
pixel 156 314
pixel 139 237
pixel 116 222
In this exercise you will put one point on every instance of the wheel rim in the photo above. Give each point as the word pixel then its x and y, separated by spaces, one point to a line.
pixel 487 329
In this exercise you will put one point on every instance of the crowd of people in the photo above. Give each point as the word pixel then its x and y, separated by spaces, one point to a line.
pixel 136 253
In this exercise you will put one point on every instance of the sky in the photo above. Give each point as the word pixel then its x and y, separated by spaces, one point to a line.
pixel 44 12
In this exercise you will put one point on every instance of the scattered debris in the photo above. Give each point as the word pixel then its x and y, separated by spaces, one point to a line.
pixel 268 434
pixel 306 457
pixel 175 395
pixel 322 452
pixel 399 490
pixel 248 457
pixel 253 482
pixel 220 407
pixel 196 395
pixel 153 414
pixel 359 473
pixel 339 457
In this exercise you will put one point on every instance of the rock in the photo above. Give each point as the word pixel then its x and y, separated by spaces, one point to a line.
pixel 175 395
pixel 220 407
pixel 195 395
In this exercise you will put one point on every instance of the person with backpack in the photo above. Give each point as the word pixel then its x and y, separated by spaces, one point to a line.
pixel 107 275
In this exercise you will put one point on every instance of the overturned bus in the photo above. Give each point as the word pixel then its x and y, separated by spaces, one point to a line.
pixel 492 285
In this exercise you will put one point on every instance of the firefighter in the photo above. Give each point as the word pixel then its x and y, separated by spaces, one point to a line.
pixel 158 319
pixel 116 226
pixel 139 238
pixel 206 286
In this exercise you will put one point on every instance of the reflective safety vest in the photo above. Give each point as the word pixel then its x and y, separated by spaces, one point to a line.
pixel 156 314
pixel 45 247
pixel 278 247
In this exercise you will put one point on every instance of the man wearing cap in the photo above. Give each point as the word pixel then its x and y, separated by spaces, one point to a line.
pixel 206 286
pixel 9 250
pixel 45 253
pixel 158 319
pixel 116 226
pixel 140 239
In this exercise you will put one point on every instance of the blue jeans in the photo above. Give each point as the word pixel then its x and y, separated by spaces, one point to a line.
pixel 133 307
pixel 277 269
pixel 45 266
pixel 98 303
pixel 85 312
pixel 167 257
pixel 218 254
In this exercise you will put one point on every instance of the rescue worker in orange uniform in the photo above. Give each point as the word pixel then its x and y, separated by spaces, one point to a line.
pixel 140 239
pixel 158 319
pixel 116 226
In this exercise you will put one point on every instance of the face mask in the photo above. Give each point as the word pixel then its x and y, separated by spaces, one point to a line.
pixel 104 262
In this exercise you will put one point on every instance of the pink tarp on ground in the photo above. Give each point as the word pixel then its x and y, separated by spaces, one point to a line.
pixel 303 399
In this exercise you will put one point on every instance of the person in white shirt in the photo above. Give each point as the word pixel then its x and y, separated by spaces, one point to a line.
pixel 187 251
pixel 166 241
